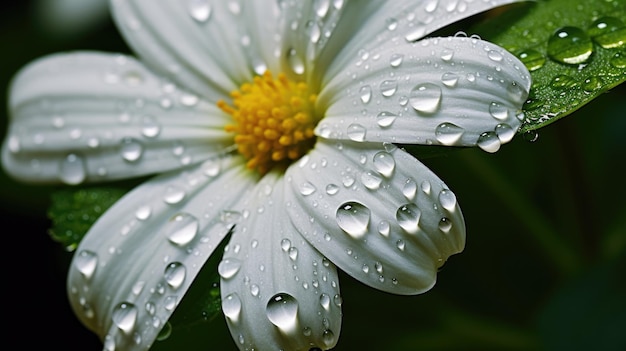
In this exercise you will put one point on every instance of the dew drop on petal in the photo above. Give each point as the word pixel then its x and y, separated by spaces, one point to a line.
pixel 282 311
pixel 131 149
pixel 489 141
pixel 328 337
pixel 409 190
pixel 353 218
pixel 200 10
pixel 408 217
pixel 388 87
pixel 228 267
pixel 448 133
pixel 150 128
pixel 325 301
pixel 356 132
pixel 447 199
pixel 175 274
pixel 72 170
pixel 365 93
pixel 143 213
pixel 86 262
pixel 445 225
pixel 505 132
pixel 498 111
pixel 495 55
pixel 332 189
pixel 307 188
pixel 426 98
pixel 173 195
pixel 449 79
pixel 125 316
pixel 395 60
pixel 384 228
pixel 231 306
pixel 371 180
pixel 285 244
pixel 182 229
pixel 385 119
pixel 384 163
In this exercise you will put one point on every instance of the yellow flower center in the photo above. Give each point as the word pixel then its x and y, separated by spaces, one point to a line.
pixel 273 121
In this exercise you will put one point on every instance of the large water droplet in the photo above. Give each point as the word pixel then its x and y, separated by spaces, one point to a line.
pixel 447 199
pixel 489 142
pixel 173 195
pixel 384 163
pixel 200 10
pixel 448 133
pixel 174 274
pixel 505 132
pixel 385 119
pixel 388 87
pixel 86 262
pixel 365 93
pixel 150 128
pixel 356 132
pixel 498 111
pixel 608 32
pixel 231 306
pixel 72 170
pixel 228 267
pixel 353 218
pixel 307 188
pixel 445 225
pixel 131 149
pixel 282 311
pixel 395 60
pixel 450 79
pixel 532 59
pixel 408 217
pixel 124 316
pixel 182 229
pixel 570 45
pixel 371 180
pixel 426 98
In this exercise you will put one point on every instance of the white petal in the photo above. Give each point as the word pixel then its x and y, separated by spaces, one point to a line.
pixel 398 20
pixel 376 213
pixel 210 47
pixel 449 91
pixel 278 292
pixel 136 263
pixel 93 116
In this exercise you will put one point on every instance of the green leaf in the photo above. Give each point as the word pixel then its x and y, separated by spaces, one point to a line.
pixel 73 212
pixel 575 50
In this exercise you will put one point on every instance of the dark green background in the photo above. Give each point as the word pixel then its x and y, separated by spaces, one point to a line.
pixel 507 291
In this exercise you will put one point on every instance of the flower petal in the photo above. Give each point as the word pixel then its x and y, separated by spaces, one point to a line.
pixel 210 47
pixel 451 91
pixel 138 260
pixel 376 213
pixel 278 292
pixel 94 116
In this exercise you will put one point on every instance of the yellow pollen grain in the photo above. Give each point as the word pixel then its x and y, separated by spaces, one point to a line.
pixel 273 121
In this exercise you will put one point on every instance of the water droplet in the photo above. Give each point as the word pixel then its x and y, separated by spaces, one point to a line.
pixel 182 229
pixel 498 111
pixel 448 133
pixel 307 188
pixel 395 60
pixel 408 217
pixel 371 180
pixel 425 98
pixel 495 55
pixel 400 244
pixel 445 225
pixel 293 253
pixel 608 32
pixel 532 59
pixel 356 132
pixel 385 119
pixel 72 170
pixel 592 84
pixel 124 316
pixel 618 60
pixel 328 337
pixel 449 79
pixel 392 24
pixel 175 273
pixel 332 189
pixel 516 92
pixel 447 199
pixel 365 93
pixel 296 63
pixel 131 149
pixel 282 311
pixel 254 290
pixel 231 306
pixel 353 218
pixel 409 190
pixel 325 301
pixel 143 213
pixel 504 132
pixel 563 81
pixel 570 45
pixel 388 87
pixel 86 262
pixel 173 195
pixel 228 267
pixel 489 141
pixel 384 163
pixel 151 128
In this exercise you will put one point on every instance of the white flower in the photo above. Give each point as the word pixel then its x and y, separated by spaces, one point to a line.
pixel 299 163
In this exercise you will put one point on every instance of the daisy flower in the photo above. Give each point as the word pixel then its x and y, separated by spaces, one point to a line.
pixel 275 122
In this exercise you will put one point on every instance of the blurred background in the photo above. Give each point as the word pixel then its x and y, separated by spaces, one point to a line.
pixel 544 267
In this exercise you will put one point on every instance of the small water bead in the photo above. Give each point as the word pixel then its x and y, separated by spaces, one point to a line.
pixel 72 170
pixel 175 274
pixel 293 253
pixel 563 81
pixel 570 45
pixel 371 180
pixel 532 59
pixel 285 244
pixel 388 87
pixel 498 111
pixel 150 128
pixel 408 217
pixel 447 199
pixel 131 149
pixel 125 316
pixel 170 303
pixel 385 119
pixel 356 132
pixel 409 190
pixel 608 32
pixel 365 93
pixel 384 228
pixel 445 225
pixel 282 311
pixel 325 301
pixel 173 195
pixel 328 337
pixel 295 62
pixel 592 84
pixel 504 132
pixel 231 306
pixel 425 98
pixel 516 92
pixel 489 142
pixel 618 60
pixel 425 186
pixel 448 133
pixel 395 60
pixel 307 188
pixel 384 163
pixel 353 218
pixel 182 229
pixel 165 332
pixel 338 300
pixel 450 79
pixel 228 267
pixel 86 262
pixel 332 189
